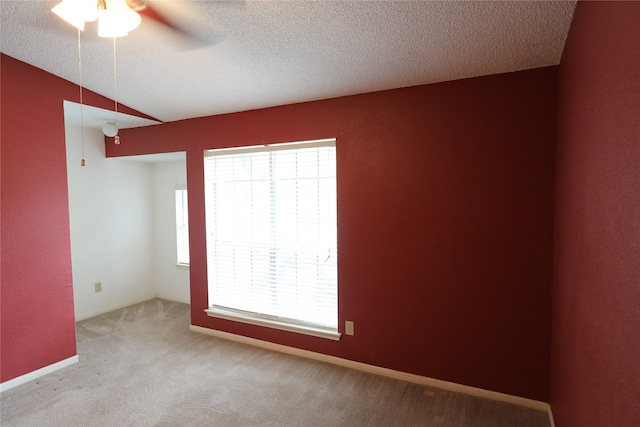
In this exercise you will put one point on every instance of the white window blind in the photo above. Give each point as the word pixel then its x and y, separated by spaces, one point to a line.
pixel 182 225
pixel 272 233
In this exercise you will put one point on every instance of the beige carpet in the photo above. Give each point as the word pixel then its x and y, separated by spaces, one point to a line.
pixel 141 366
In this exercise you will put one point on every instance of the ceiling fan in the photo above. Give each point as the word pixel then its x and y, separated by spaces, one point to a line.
pixel 144 8
pixel 116 18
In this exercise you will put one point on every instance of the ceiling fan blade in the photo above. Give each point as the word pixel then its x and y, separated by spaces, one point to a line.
pixel 153 14
pixel 190 39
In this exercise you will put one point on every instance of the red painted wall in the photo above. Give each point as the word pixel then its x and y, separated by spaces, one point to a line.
pixel 445 211
pixel 37 317
pixel 596 295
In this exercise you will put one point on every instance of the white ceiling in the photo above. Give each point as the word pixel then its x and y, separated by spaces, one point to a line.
pixel 266 53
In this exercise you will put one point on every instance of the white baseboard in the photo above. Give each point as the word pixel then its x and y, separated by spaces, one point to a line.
pixel 173 299
pixel 390 373
pixel 38 373
pixel 112 308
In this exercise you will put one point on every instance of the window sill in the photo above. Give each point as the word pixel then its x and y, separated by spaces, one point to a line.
pixel 275 324
pixel 182 266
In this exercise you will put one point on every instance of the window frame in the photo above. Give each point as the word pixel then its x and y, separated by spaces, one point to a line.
pixel 266 320
pixel 182 188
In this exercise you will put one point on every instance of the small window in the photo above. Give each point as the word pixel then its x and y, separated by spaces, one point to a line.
pixel 272 236
pixel 182 225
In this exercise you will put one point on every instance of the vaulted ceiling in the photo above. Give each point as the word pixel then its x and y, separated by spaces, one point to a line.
pixel 252 54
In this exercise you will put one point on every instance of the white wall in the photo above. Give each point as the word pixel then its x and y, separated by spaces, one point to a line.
pixel 112 227
pixel 172 281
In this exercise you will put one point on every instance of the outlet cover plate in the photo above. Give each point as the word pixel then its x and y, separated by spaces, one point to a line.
pixel 348 327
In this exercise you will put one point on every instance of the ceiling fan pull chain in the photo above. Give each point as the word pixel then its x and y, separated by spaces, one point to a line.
pixel 116 139
pixel 82 160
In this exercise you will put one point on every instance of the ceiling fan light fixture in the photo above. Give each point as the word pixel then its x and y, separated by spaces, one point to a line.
pixel 87 9
pixel 72 12
pixel 117 19
pixel 110 129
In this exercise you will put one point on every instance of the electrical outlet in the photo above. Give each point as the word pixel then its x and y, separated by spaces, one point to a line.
pixel 348 327
pixel 98 287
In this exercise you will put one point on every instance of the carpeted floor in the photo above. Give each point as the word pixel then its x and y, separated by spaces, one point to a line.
pixel 141 366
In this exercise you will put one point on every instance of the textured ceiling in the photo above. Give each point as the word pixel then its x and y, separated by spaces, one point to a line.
pixel 265 53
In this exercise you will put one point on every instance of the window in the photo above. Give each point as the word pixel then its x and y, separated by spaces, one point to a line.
pixel 272 236
pixel 182 225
